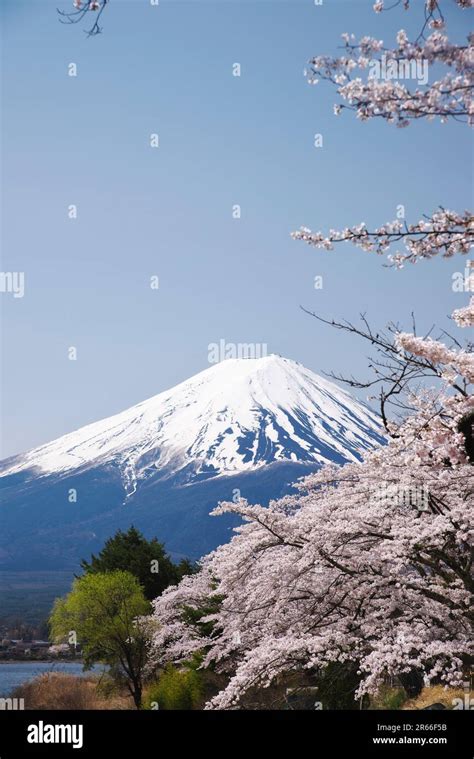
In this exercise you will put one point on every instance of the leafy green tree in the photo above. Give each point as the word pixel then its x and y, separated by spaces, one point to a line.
pixel 105 612
pixel 146 559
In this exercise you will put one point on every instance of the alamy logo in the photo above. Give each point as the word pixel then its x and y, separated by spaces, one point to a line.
pixel 466 702
pixel 12 704
pixel 217 352
pixel 399 68
pixel 401 496
pixel 13 282
pixel 464 283
pixel 463 703
pixel 42 733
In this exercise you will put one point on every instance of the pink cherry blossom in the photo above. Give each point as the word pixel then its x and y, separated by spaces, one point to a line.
pixel 444 233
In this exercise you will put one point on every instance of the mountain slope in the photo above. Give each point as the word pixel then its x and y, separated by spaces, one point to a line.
pixel 253 425
pixel 233 417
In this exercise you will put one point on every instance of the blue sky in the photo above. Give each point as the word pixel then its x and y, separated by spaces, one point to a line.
pixel 224 140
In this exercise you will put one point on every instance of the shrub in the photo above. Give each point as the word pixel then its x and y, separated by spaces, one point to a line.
pixel 55 690
pixel 175 689
pixel 58 690
pixel 389 698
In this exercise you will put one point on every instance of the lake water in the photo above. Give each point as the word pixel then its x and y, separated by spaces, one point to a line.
pixel 14 673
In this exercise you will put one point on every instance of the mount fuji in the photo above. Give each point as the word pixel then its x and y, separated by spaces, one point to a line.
pixel 247 425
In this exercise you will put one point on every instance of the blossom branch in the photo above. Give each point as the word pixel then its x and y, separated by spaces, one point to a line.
pixel 445 233
pixel 83 7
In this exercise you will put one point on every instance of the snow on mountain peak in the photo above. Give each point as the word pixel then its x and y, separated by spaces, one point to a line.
pixel 235 416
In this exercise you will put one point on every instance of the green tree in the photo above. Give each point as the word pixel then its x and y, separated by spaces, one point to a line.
pixel 106 612
pixel 146 559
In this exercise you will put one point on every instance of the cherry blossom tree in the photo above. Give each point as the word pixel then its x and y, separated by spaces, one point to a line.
pixel 370 563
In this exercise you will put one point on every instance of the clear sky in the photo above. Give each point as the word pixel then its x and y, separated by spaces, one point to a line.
pixel 224 140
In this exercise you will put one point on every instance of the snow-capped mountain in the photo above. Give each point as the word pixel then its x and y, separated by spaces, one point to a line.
pixel 251 426
pixel 236 416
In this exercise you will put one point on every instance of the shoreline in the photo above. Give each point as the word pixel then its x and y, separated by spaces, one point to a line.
pixel 41 661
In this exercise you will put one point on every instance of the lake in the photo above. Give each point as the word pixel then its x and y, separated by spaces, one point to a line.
pixel 14 673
